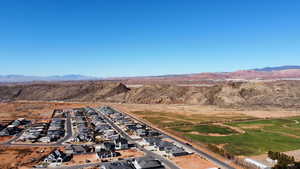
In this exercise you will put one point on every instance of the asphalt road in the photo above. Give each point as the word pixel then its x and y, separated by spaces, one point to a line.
pixel 220 163
pixel 68 130
pixel 147 152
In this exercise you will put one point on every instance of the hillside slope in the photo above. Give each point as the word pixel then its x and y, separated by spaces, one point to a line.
pixel 89 91
pixel 234 94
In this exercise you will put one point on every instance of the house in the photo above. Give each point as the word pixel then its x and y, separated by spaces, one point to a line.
pixel 45 139
pixel 8 131
pixel 151 141
pixel 121 143
pixel 77 149
pixel 4 132
pixel 162 145
pixel 97 147
pixel 170 148
pixel 176 151
pixel 107 154
pixel 56 156
pixel 55 134
pixel 153 133
pixel 141 132
pixel 117 165
pixel 147 163
pixel 107 146
pixel 1 127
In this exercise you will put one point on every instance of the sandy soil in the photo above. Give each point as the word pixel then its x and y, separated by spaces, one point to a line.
pixel 208 110
pixel 31 110
pixel 295 153
pixel 130 153
pixel 92 158
pixel 236 129
pixel 40 109
pixel 82 159
pixel 256 126
pixel 192 161
pixel 5 138
pixel 21 157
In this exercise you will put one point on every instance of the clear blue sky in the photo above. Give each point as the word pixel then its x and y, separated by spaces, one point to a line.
pixel 146 37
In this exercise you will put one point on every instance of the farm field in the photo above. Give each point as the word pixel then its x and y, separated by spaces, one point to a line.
pixel 260 136
pixel 250 137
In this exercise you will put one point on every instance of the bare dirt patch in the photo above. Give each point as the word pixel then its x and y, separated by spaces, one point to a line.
pixel 256 126
pixel 5 138
pixel 130 153
pixel 82 159
pixel 192 161
pixel 43 109
pixel 236 129
pixel 25 157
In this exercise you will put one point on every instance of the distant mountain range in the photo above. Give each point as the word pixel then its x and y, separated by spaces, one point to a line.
pixel 22 78
pixel 268 69
pixel 267 73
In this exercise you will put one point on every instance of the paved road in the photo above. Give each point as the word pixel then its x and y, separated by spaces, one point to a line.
pixel 68 130
pixel 203 154
pixel 147 152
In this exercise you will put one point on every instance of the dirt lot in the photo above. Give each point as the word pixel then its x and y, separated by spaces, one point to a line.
pixel 41 109
pixel 21 157
pixel 31 110
pixel 192 161
pixel 208 110
pixel 5 138
pixel 130 153
pixel 83 158
pixel 92 158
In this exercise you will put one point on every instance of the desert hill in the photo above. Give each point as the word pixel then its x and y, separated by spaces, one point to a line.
pixel 79 91
pixel 230 94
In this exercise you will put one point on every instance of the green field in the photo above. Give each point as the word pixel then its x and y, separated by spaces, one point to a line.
pixel 260 136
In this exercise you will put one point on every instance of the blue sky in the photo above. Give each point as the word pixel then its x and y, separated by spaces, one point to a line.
pixel 146 37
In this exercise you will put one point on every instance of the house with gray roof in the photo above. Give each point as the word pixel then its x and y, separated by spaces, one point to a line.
pixel 117 165
pixel 147 163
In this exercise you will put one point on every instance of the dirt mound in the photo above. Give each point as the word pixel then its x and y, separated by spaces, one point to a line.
pixel 234 94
